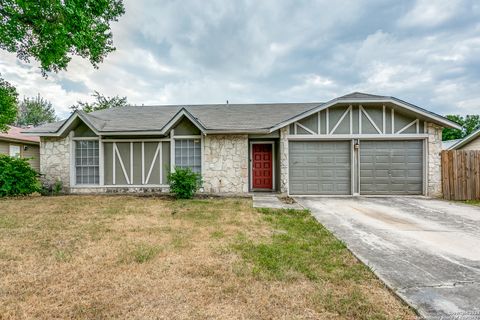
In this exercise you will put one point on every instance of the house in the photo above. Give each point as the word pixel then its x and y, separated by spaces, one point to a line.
pixel 355 144
pixel 16 144
pixel 446 144
pixel 470 142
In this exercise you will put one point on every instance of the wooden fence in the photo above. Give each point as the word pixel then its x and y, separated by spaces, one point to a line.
pixel 461 174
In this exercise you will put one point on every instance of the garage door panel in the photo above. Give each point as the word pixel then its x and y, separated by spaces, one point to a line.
pixel 391 167
pixel 320 167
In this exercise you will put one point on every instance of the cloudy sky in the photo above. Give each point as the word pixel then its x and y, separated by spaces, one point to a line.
pixel 192 51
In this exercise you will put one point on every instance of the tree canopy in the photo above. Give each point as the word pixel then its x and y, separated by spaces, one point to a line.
pixel 53 31
pixel 469 123
pixel 8 104
pixel 101 102
pixel 35 111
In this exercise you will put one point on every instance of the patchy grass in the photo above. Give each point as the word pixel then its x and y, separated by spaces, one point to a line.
pixel 473 202
pixel 96 257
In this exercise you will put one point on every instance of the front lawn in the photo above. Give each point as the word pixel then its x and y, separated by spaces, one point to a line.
pixel 95 257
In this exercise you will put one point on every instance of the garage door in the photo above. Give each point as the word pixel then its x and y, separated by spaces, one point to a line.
pixel 391 167
pixel 320 167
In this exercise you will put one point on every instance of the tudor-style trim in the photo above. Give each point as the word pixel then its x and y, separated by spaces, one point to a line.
pixel 120 160
pixel 357 136
pixel 251 163
pixel 361 110
pixel 348 110
pixel 414 122
pixel 303 127
pixel 444 121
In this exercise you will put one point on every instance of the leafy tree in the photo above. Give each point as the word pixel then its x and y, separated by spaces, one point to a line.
pixel 8 104
pixel 35 111
pixel 101 102
pixel 469 123
pixel 51 32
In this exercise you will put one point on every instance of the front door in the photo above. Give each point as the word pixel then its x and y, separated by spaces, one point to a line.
pixel 262 166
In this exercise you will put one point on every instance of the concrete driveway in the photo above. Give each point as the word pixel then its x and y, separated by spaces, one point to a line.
pixel 427 251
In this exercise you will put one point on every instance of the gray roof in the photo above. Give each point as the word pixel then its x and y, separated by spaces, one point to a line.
pixel 214 117
pixel 449 143
pixel 362 96
pixel 461 142
pixel 242 117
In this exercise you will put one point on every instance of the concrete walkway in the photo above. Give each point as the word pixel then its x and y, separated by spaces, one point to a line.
pixel 427 251
pixel 271 201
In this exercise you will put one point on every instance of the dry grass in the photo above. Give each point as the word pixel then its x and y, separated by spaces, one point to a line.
pixel 96 257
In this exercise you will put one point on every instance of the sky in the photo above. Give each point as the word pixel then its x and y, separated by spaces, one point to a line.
pixel 196 52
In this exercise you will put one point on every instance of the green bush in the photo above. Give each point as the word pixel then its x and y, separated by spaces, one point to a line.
pixel 17 177
pixel 184 182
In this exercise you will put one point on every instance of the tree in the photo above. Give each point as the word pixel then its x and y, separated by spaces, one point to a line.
pixel 35 111
pixel 8 104
pixel 469 123
pixel 102 102
pixel 53 31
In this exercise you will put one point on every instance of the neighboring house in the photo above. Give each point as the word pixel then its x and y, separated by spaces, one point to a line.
pixel 470 142
pixel 448 143
pixel 355 144
pixel 16 144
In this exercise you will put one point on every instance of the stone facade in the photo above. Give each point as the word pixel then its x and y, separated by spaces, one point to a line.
pixel 225 164
pixel 55 160
pixel 283 152
pixel 434 188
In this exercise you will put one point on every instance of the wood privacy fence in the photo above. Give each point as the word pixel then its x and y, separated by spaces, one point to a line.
pixel 461 174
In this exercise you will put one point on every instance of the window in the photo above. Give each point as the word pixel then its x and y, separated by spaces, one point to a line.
pixel 14 151
pixel 188 154
pixel 86 162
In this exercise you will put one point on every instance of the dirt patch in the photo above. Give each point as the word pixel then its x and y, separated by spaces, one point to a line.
pixel 287 200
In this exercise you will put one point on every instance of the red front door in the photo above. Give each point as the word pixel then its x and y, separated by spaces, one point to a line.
pixel 262 173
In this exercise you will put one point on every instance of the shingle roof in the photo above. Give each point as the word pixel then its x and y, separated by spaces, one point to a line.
pixel 219 117
pixel 472 136
pixel 248 117
pixel 15 133
pixel 361 95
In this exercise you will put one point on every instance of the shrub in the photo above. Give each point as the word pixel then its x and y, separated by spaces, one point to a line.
pixel 17 177
pixel 184 182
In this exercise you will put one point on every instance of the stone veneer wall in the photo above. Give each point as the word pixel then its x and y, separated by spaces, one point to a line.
pixel 434 188
pixel 225 164
pixel 55 160
pixel 283 160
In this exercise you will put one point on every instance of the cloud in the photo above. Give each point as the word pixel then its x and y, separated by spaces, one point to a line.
pixel 185 52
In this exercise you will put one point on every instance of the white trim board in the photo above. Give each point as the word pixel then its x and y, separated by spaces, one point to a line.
pixel 417 110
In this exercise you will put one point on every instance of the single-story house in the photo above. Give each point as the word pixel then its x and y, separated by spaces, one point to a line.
pixel 16 144
pixel 470 142
pixel 355 144
pixel 446 144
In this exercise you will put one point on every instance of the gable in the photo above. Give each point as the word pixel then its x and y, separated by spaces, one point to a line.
pixel 357 119
pixel 185 127
pixel 82 130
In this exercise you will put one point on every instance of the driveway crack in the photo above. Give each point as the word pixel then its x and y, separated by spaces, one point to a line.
pixel 441 285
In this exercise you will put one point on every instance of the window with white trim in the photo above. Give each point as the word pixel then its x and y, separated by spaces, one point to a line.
pixel 14 151
pixel 188 154
pixel 86 162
